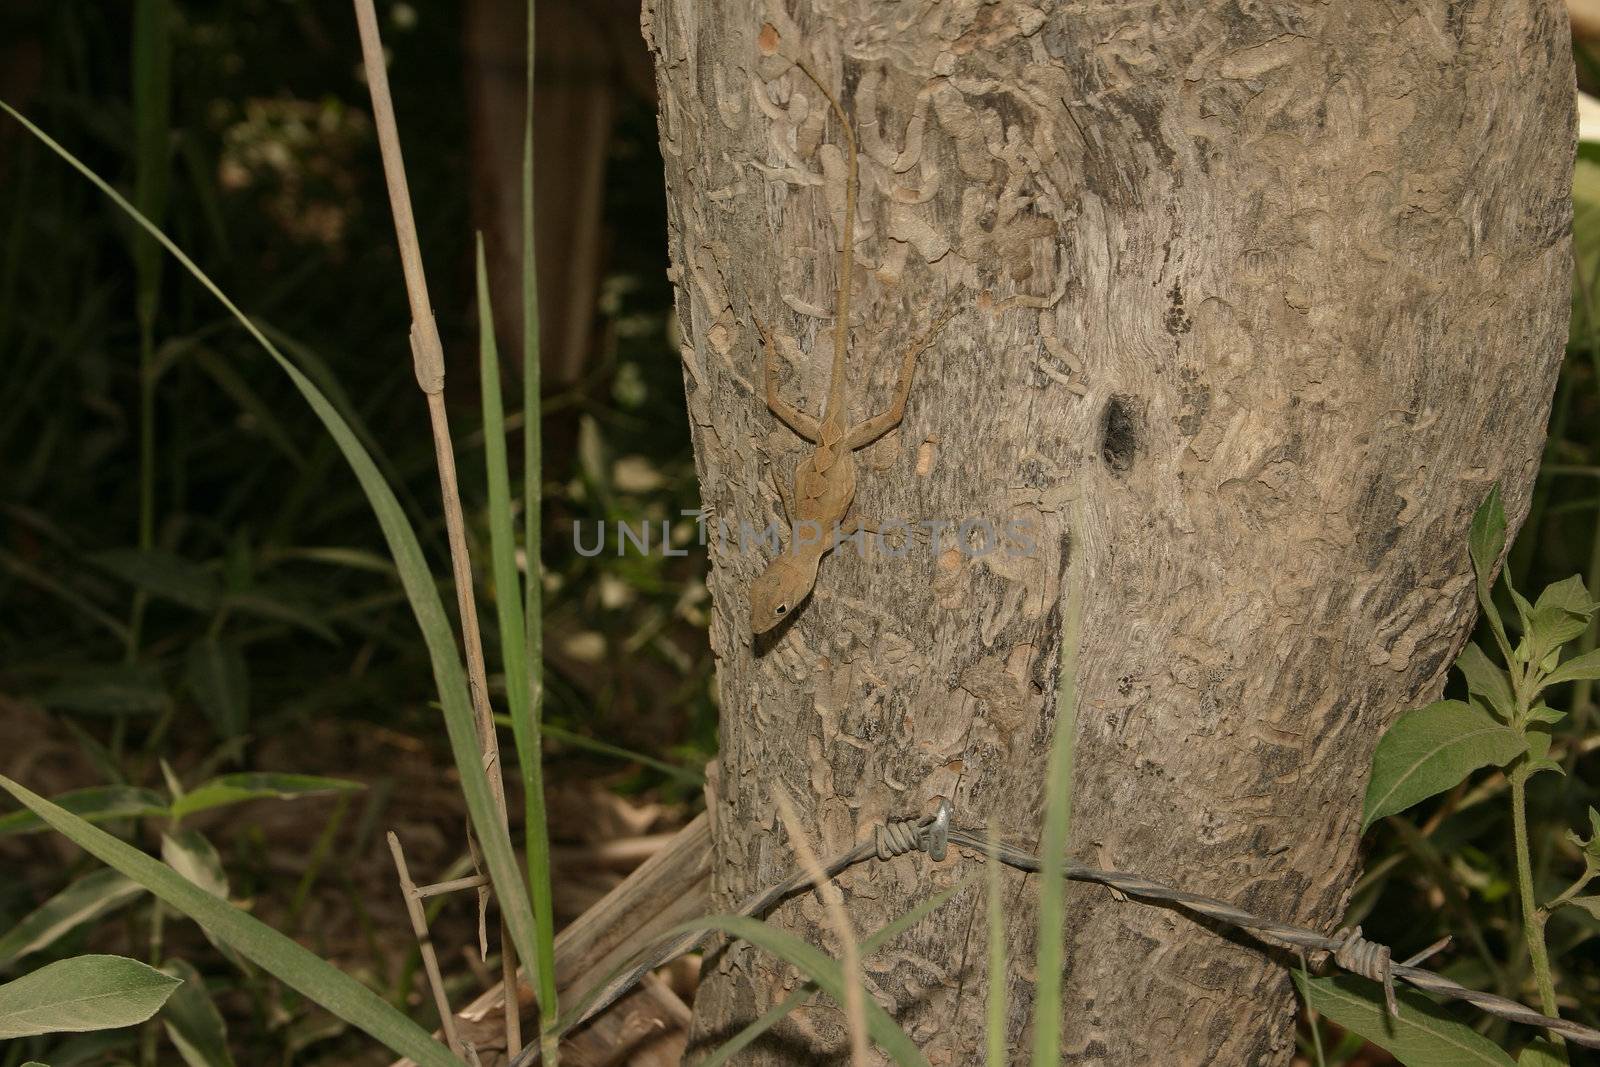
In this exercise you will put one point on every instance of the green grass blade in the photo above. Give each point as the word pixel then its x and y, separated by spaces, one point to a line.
pixel 96 803
pixel 514 643
pixel 538 842
pixel 995 1008
pixel 776 1014
pixel 421 590
pixel 152 111
pixel 686 775
pixel 764 1022
pixel 257 785
pixel 819 968
pixel 1058 817
pixel 502 536
pixel 152 119
pixel 87 899
pixel 1313 1023
pixel 294 965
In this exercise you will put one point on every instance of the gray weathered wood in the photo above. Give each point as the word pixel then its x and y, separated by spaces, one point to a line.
pixel 1280 290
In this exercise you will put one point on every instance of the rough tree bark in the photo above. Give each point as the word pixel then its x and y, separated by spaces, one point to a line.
pixel 1278 290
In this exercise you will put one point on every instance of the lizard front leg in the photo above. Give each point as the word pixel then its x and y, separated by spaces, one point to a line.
pixel 785 496
pixel 909 534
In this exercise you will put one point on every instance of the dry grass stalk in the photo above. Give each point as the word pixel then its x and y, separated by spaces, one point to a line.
pixel 428 358
pixel 430 958
pixel 855 1007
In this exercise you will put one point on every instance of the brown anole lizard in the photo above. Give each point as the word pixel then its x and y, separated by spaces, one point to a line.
pixel 825 482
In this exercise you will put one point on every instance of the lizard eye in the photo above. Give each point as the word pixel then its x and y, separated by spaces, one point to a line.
pixel 782 609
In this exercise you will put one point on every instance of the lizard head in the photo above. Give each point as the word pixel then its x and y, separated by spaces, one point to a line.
pixel 780 589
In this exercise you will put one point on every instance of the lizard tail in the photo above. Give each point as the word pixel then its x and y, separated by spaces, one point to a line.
pixel 847 255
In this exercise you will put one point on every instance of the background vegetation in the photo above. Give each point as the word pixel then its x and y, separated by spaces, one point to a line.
pixel 216 598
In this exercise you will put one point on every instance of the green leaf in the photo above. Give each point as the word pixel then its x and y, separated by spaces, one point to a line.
pixel 99 1048
pixel 281 957
pixel 191 855
pixel 83 993
pixel 1485 542
pixel 1524 610
pixel 1541 1053
pixel 1423 1035
pixel 1486 681
pixel 109 689
pixel 163 574
pixel 1432 749
pixel 1487 537
pixel 220 680
pixel 238 788
pixel 421 590
pixel 1569 596
pixel 193 1024
pixel 1561 613
pixel 1537 758
pixel 95 804
pixel 1546 714
pixel 1589 904
pixel 86 899
pixel 1576 669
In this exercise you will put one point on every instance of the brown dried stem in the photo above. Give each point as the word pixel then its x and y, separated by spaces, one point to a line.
pixel 428 362
pixel 430 958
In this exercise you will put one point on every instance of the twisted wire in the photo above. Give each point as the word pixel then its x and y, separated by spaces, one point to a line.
pixel 1298 937
pixel 895 838
pixel 932 834
pixel 1368 959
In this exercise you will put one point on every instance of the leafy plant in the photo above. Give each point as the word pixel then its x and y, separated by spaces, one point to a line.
pixel 1422 1035
pixel 1504 723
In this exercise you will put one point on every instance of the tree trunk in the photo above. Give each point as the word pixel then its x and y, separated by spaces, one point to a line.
pixel 1279 292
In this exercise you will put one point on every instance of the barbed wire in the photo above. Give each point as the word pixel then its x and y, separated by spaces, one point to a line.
pixel 933 835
